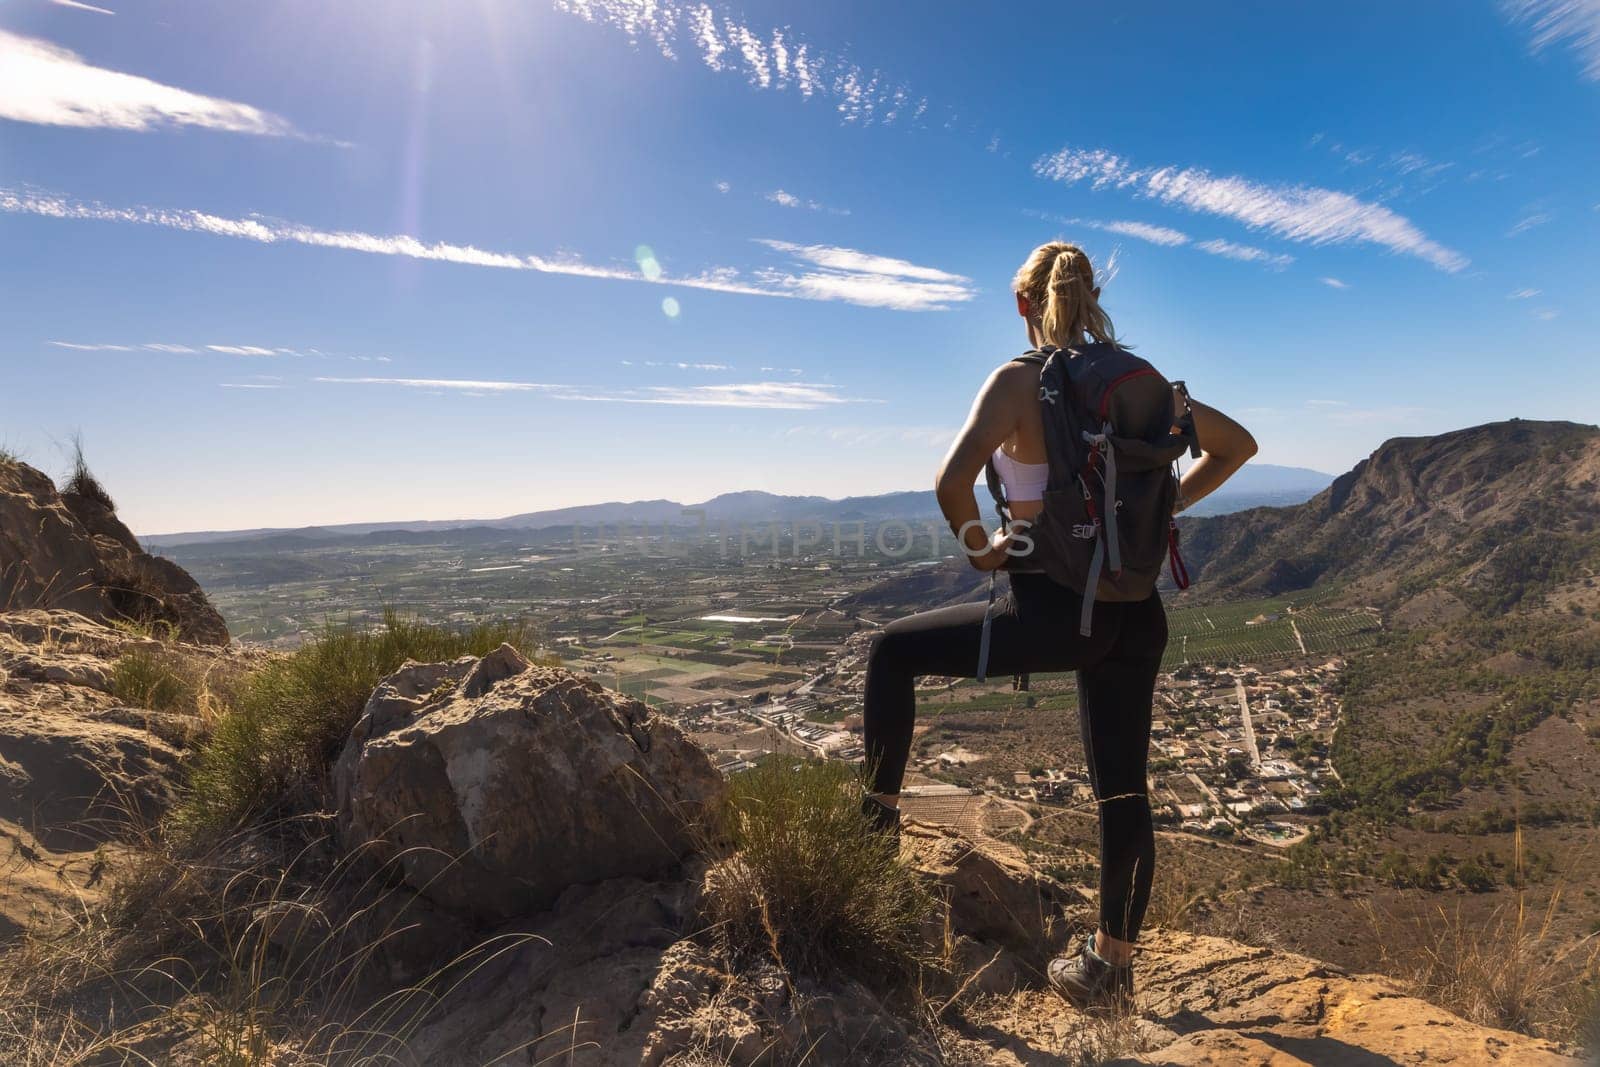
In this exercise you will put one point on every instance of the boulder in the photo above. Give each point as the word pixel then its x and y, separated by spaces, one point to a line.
pixel 72 780
pixel 66 550
pixel 492 785
pixel 993 895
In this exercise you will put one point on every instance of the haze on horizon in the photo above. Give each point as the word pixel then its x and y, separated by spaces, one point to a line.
pixel 303 264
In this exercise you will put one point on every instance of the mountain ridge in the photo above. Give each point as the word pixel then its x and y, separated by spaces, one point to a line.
pixel 1263 484
pixel 1416 508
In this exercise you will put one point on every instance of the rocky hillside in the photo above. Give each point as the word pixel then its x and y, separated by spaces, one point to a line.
pixel 525 865
pixel 67 549
pixel 1489 508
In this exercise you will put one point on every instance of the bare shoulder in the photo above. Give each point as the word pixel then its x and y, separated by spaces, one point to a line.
pixel 1013 380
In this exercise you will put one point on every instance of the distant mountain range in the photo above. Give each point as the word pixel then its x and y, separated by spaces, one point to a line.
pixel 1257 485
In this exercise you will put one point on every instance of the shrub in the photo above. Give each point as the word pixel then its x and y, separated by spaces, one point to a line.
pixel 806 884
pixel 274 744
pixel 1475 877
pixel 148 679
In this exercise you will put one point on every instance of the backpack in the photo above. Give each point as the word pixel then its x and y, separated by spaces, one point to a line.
pixel 1107 523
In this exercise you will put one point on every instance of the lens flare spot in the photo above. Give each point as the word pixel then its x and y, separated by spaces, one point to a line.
pixel 649 266
pixel 670 308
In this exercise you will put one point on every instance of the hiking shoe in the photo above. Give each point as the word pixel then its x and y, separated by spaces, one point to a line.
pixel 1089 983
pixel 881 818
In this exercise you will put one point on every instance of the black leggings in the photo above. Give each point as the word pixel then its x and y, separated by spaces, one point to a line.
pixel 1035 630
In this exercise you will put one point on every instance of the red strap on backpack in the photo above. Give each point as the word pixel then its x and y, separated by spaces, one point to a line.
pixel 1180 573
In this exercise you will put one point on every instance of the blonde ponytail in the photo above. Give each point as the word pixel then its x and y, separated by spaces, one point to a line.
pixel 1058 283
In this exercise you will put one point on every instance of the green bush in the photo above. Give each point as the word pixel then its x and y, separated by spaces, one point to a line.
pixel 1475 877
pixel 806 883
pixel 274 743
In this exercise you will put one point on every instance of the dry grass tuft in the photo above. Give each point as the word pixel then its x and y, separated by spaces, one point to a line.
pixel 81 480
pixel 1508 972
pixel 806 885
pixel 265 948
pixel 146 678
pixel 1175 898
pixel 1106 1038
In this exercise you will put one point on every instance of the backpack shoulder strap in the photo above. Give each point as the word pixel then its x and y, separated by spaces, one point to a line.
pixel 1033 357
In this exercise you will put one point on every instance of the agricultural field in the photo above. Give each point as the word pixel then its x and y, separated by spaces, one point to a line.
pixel 1255 631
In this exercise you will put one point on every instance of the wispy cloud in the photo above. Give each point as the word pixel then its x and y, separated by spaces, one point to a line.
pixel 1573 22
pixel 247 350
pixel 771 59
pixel 248 385
pixel 1546 314
pixel 851 276
pixel 790 396
pixel 1295 212
pixel 1245 253
pixel 83 7
pixel 222 350
pixel 1335 283
pixel 1406 162
pixel 723 187
pixel 80 347
pixel 461 384
pixel 868 279
pixel 1523 294
pixel 45 84
pixel 675 366
pixel 786 199
pixel 1523 225
pixel 1167 237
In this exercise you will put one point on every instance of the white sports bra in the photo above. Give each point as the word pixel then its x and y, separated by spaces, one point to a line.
pixel 1023 481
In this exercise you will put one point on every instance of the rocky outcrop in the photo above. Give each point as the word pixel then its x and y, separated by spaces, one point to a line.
pixel 80 765
pixel 1206 1000
pixel 75 760
pixel 68 550
pixel 494 785
pixel 1223 1002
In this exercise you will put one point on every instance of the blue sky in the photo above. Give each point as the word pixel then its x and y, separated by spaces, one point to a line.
pixel 300 262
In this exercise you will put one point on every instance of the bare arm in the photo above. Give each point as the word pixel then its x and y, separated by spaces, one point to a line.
pixel 991 421
pixel 1225 447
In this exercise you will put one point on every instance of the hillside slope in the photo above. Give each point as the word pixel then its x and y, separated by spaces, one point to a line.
pixel 1489 506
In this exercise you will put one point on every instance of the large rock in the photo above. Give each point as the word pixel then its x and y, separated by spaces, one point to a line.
pixel 493 784
pixel 65 550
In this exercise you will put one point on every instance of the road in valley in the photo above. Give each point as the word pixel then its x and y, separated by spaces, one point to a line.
pixel 1249 730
